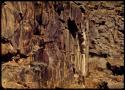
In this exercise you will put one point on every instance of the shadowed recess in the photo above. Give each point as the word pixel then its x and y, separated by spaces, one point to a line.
pixel 72 27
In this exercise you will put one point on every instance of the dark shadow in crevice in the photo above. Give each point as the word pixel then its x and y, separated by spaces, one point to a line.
pixel 61 20
pixel 77 3
pixel 103 85
pixel 104 55
pixel 4 40
pixel 39 19
pixel 115 70
pixel 36 31
pixel 122 31
pixel 72 27
pixel 9 56
pixel 59 8
pixel 101 23
pixel 82 9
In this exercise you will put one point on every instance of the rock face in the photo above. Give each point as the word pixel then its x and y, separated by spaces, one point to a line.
pixel 49 41
pixel 106 39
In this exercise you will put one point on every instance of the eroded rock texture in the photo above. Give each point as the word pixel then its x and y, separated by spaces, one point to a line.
pixel 48 38
pixel 48 42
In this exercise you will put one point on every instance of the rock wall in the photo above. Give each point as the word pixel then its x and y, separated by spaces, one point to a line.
pixel 106 29
pixel 51 41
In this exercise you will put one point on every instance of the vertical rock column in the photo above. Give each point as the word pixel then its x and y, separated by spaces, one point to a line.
pixel 84 44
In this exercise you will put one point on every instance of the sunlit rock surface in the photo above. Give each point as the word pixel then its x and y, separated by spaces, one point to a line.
pixel 47 41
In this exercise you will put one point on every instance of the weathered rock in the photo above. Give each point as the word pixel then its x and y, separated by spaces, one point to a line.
pixel 50 36
pixel 7 48
pixel 116 85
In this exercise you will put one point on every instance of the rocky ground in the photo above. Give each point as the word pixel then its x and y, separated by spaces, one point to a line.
pixel 106 43
pixel 51 69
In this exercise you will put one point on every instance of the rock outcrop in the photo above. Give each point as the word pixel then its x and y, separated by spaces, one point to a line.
pixel 46 44
pixel 49 40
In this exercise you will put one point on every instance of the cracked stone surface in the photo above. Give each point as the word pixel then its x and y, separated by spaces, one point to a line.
pixel 42 43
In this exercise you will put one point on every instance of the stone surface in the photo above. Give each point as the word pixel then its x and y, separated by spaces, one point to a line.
pixel 45 50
